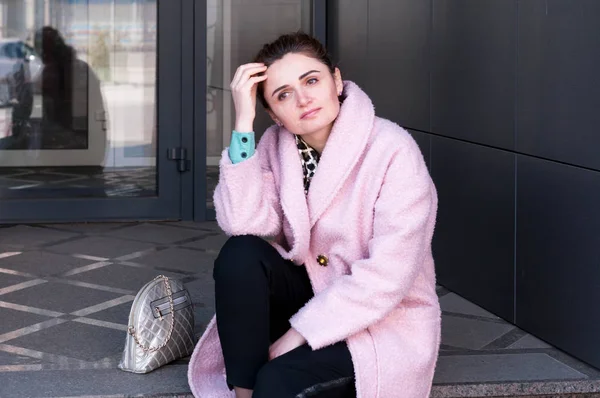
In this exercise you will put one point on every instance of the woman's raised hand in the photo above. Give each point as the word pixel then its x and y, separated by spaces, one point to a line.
pixel 243 89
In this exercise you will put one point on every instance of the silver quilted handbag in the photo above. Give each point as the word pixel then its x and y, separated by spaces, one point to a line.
pixel 161 326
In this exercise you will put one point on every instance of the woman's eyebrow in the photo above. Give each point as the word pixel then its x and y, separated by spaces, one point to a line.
pixel 302 76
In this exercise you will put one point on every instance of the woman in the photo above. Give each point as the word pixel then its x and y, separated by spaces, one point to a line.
pixel 327 286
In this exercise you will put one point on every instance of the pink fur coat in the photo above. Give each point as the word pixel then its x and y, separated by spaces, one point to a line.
pixel 371 211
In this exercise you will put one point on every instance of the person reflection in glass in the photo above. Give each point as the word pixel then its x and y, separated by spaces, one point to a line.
pixel 17 95
pixel 20 93
pixel 73 112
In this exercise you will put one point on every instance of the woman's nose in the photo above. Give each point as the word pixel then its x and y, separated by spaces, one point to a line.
pixel 303 98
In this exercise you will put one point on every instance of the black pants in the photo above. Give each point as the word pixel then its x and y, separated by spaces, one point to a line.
pixel 256 292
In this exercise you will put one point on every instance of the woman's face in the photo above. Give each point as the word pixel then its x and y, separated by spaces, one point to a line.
pixel 302 94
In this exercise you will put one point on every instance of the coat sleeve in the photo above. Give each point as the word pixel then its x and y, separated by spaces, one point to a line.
pixel 246 199
pixel 241 147
pixel 378 283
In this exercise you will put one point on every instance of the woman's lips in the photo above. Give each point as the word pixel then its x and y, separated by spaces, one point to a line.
pixel 310 113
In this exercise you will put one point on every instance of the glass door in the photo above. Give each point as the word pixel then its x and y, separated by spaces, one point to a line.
pixel 234 32
pixel 90 110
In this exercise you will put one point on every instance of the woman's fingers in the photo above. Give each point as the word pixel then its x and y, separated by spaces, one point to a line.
pixel 247 74
pixel 244 72
pixel 250 73
pixel 256 79
pixel 243 92
pixel 243 67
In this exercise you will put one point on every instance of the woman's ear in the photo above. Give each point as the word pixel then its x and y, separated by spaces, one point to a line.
pixel 275 118
pixel 339 83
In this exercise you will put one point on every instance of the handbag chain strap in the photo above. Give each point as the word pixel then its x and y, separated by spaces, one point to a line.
pixel 131 329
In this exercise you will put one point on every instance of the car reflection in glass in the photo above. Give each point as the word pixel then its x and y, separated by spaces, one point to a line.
pixel 16 57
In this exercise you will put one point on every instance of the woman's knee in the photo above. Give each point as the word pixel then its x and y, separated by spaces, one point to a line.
pixel 237 255
pixel 270 382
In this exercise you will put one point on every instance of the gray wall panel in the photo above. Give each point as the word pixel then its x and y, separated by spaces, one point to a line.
pixel 558 234
pixel 473 70
pixel 347 38
pixel 474 239
pixel 516 76
pixel 398 56
pixel 559 80
pixel 424 142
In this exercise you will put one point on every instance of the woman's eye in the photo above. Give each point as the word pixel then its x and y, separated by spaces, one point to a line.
pixel 282 96
pixel 312 80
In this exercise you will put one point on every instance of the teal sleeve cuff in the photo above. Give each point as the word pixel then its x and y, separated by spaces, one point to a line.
pixel 242 146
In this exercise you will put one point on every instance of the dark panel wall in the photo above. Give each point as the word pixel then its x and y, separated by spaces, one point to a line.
pixel 473 70
pixel 474 242
pixel 400 79
pixel 502 96
pixel 474 239
pixel 424 142
pixel 559 80
pixel 346 34
pixel 558 284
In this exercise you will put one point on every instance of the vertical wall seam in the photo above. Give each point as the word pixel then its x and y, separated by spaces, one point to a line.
pixel 193 113
pixel 515 246
pixel 431 44
pixel 430 154
pixel 515 159
pixel 366 64
pixel 430 124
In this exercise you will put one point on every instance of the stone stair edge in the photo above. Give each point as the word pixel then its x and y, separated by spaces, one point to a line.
pixel 589 388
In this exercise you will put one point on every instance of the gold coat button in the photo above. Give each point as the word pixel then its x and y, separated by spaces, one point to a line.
pixel 322 260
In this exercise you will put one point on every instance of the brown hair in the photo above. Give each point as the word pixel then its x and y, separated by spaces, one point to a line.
pixel 298 43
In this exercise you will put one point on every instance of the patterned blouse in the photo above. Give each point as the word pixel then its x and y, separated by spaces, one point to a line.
pixel 309 159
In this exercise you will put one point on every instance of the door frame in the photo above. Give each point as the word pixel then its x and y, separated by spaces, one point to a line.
pixel 171 127
pixel 199 14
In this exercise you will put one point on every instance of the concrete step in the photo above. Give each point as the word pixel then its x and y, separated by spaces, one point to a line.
pixel 539 389
pixel 436 393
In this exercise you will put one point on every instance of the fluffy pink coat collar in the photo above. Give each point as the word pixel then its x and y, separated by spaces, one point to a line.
pixel 346 143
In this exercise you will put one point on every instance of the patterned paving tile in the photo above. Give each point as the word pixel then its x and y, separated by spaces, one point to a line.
pixel 75 340
pixel 179 259
pixel 160 234
pixel 24 235
pixel 99 383
pixel 7 280
pixel 117 314
pixel 202 290
pixel 529 341
pixel 211 244
pixel 207 225
pixel 74 307
pixel 13 320
pixel 8 247
pixel 454 303
pixel 505 340
pixel 471 333
pixel 502 367
pixel 121 276
pixel 59 297
pixel 100 246
pixel 89 228
pixel 14 359
pixel 41 263
pixel 202 315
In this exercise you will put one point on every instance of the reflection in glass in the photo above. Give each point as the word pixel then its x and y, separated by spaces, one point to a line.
pixel 77 98
pixel 236 29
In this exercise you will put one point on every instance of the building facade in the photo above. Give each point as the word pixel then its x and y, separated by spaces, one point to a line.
pixel 502 97
pixel 119 110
